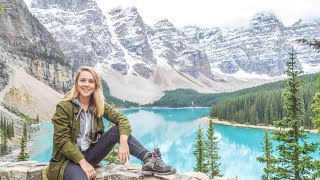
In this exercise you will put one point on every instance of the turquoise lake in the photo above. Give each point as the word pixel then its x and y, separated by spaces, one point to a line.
pixel 173 130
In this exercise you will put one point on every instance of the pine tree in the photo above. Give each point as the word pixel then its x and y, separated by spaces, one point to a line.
pixel 1 142
pixel 23 155
pixel 12 128
pixel 4 142
pixel 316 119
pixel 316 108
pixel 25 132
pixel 1 121
pixel 211 152
pixel 37 119
pixel 267 158
pixel 9 131
pixel 294 161
pixel 198 152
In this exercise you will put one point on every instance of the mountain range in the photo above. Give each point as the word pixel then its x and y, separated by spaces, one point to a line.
pixel 155 58
pixel 53 38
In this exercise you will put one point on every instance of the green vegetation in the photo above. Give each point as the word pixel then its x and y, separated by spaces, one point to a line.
pixel 211 152
pixel 198 152
pixel 6 132
pixel 206 152
pixel 24 117
pixel 115 101
pixel 186 98
pixel 1 9
pixel 316 108
pixel 23 155
pixel 112 157
pixel 267 158
pixel 47 56
pixel 263 105
pixel 295 160
pixel 189 98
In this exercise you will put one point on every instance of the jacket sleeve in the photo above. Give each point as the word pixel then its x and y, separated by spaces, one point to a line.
pixel 62 136
pixel 119 119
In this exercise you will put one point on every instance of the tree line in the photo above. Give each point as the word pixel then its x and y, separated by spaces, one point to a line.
pixel 264 106
pixel 290 110
pixel 294 160
pixel 205 150
pixel 7 133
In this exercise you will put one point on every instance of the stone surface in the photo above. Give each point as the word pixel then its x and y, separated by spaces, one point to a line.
pixel 31 170
pixel 24 41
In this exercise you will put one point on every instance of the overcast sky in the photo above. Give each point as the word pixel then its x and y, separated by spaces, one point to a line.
pixel 216 13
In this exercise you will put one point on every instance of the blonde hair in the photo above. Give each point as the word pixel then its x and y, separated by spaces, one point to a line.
pixel 97 99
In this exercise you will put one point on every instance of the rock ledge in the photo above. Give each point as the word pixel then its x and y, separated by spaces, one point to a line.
pixel 32 170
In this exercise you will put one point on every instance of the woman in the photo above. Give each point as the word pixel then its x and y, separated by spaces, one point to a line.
pixel 79 140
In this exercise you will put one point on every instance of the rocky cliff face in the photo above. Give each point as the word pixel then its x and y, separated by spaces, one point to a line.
pixel 4 76
pixel 160 57
pixel 261 47
pixel 24 41
pixel 81 31
pixel 32 67
pixel 126 44
pixel 169 43
pixel 130 31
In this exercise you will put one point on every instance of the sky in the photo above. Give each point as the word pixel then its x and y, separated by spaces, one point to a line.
pixel 215 13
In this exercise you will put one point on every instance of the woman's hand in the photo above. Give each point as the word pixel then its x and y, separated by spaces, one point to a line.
pixel 124 152
pixel 88 169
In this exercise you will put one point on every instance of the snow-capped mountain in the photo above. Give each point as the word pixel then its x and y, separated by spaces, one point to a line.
pixel 81 30
pixel 169 43
pixel 261 47
pixel 161 57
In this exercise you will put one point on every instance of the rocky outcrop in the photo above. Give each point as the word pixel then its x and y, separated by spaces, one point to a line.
pixel 126 44
pixel 169 43
pixel 25 42
pixel 4 76
pixel 261 47
pixel 130 31
pixel 36 171
pixel 81 30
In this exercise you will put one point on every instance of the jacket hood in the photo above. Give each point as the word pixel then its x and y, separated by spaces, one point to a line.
pixel 76 102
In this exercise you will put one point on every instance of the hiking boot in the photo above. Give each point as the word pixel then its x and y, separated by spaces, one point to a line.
pixel 153 164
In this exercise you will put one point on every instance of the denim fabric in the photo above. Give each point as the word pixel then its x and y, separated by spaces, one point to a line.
pixel 98 151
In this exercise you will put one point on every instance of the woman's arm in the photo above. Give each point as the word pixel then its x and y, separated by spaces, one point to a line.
pixel 119 119
pixel 124 130
pixel 124 152
pixel 62 136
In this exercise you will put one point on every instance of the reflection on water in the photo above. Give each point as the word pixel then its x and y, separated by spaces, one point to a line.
pixel 174 131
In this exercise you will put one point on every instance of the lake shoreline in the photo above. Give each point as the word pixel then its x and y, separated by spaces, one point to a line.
pixel 227 123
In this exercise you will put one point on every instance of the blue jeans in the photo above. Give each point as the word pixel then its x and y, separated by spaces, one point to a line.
pixel 98 151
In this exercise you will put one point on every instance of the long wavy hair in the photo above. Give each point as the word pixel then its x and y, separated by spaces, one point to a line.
pixel 96 104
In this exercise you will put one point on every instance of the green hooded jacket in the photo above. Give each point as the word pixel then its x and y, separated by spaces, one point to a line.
pixel 66 128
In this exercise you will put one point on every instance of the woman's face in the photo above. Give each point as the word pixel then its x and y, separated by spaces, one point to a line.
pixel 86 84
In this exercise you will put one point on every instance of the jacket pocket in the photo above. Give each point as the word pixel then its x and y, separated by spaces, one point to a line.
pixel 53 169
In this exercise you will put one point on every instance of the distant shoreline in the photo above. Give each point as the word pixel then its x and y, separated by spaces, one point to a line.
pixel 160 107
pixel 227 123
